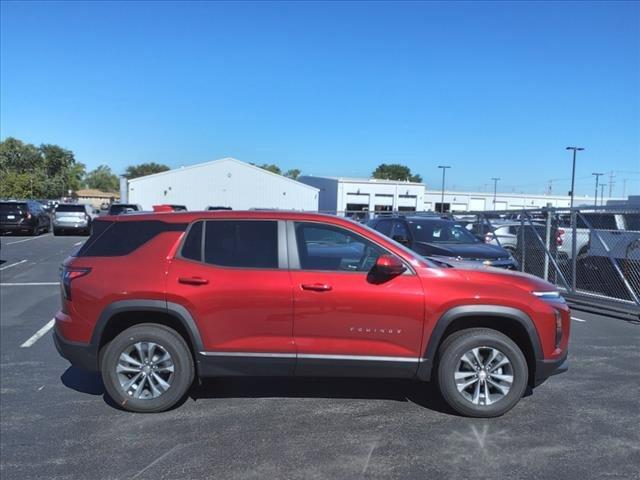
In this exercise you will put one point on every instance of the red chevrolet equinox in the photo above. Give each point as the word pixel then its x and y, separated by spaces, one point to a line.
pixel 154 301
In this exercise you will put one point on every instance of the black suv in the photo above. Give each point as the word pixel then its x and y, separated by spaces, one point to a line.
pixel 442 240
pixel 26 216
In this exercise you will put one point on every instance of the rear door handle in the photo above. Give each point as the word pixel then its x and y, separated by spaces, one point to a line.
pixel 316 287
pixel 193 280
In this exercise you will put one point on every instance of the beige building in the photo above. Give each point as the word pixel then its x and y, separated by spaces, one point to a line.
pixel 96 198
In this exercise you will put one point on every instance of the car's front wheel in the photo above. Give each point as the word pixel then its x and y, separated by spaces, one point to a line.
pixel 147 368
pixel 481 372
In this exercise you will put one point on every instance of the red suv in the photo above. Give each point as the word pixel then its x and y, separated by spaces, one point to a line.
pixel 155 300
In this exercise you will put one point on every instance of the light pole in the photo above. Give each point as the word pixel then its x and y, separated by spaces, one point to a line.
pixel 597 175
pixel 573 170
pixel 602 185
pixel 495 190
pixel 444 169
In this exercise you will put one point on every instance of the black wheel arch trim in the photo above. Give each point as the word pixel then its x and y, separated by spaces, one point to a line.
pixel 176 310
pixel 489 311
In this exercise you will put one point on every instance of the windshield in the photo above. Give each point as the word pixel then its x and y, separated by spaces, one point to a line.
pixel 440 231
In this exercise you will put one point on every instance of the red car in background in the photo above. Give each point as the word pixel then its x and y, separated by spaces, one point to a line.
pixel 155 300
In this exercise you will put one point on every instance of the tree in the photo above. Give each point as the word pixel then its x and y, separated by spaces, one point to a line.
pixel 395 171
pixel 292 173
pixel 271 167
pixel 144 169
pixel 19 157
pixel 103 179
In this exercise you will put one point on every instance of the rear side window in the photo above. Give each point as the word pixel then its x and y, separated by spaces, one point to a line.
pixel 599 221
pixel 192 247
pixel 241 243
pixel 11 207
pixel 70 208
pixel 112 239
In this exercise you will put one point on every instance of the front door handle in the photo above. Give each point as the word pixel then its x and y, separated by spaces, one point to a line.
pixel 193 280
pixel 316 287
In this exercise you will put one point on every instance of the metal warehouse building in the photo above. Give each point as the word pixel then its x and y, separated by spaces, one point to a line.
pixel 224 183
pixel 478 201
pixel 339 194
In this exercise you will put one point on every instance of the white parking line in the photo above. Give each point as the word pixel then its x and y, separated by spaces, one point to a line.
pixel 578 319
pixel 12 265
pixel 36 336
pixel 29 239
pixel 30 284
pixel 78 243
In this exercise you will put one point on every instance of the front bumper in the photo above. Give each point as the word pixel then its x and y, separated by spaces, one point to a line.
pixel 548 368
pixel 81 355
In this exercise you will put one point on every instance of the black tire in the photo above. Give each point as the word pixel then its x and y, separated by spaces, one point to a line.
pixel 34 231
pixel 449 360
pixel 57 231
pixel 181 378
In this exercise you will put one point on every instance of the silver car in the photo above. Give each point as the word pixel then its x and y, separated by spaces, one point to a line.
pixel 72 217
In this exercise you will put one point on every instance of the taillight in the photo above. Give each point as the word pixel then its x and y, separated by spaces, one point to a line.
pixel 559 237
pixel 69 274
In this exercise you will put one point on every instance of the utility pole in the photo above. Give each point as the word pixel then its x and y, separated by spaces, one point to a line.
pixel 611 182
pixel 444 169
pixel 597 175
pixel 573 171
pixel 495 190
pixel 624 187
pixel 550 187
pixel 602 185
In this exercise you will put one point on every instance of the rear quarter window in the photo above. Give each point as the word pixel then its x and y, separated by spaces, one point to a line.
pixel 113 239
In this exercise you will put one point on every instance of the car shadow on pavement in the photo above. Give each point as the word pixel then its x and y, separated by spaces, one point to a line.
pixel 83 381
pixel 423 394
pixel 420 393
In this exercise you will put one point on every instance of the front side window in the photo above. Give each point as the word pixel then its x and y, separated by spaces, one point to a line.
pixel 326 247
pixel 384 227
pixel 241 243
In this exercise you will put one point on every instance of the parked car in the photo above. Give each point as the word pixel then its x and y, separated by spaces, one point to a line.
pixel 72 218
pixel 26 216
pixel 234 293
pixel 123 208
pixel 442 239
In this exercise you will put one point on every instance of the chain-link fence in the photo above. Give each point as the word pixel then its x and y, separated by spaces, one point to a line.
pixel 590 252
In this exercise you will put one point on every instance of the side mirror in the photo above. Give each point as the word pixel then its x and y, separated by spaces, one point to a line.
pixel 401 239
pixel 389 266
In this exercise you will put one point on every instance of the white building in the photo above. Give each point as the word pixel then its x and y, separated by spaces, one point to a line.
pixel 477 201
pixel 339 194
pixel 225 183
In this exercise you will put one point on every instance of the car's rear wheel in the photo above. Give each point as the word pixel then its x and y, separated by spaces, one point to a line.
pixel 57 231
pixel 481 372
pixel 147 368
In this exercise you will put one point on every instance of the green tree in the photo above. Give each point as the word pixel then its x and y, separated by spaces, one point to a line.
pixel 103 179
pixel 19 157
pixel 271 167
pixel 292 173
pixel 144 169
pixel 395 171
pixel 47 171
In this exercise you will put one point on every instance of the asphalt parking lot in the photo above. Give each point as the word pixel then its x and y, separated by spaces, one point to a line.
pixel 55 421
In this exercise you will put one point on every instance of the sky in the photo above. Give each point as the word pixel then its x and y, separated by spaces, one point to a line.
pixel 491 89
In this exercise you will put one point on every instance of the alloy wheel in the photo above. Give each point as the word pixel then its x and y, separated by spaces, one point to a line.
pixel 484 375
